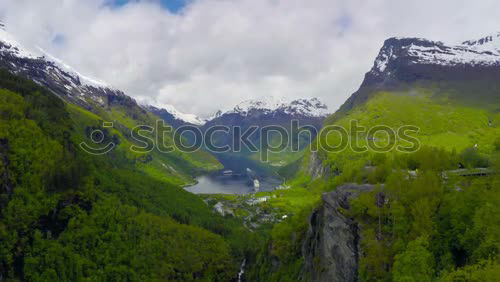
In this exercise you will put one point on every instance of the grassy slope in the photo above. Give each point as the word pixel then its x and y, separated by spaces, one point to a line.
pixel 177 167
pixel 441 123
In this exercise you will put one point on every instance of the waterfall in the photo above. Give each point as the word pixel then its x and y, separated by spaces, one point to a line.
pixel 242 271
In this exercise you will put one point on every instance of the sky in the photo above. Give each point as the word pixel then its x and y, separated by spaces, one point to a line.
pixel 206 55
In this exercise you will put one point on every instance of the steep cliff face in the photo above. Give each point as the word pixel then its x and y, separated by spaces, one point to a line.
pixel 316 169
pixel 331 247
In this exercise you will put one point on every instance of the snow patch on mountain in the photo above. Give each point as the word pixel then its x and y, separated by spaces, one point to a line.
pixel 189 118
pixel 268 103
pixel 383 60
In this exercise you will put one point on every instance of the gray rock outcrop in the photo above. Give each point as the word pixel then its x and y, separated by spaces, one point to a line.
pixel 331 246
pixel 316 169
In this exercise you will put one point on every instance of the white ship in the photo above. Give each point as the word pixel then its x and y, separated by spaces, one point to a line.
pixel 256 185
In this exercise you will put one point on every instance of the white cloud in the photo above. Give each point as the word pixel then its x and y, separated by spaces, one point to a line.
pixel 216 53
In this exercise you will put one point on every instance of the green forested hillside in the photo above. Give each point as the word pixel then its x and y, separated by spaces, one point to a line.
pixel 66 215
pixel 442 124
pixel 434 224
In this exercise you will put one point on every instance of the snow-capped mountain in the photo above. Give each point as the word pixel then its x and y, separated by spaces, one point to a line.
pixel 63 80
pixel 269 112
pixel 403 61
pixel 269 107
pixel 175 117
pixel 482 52
pixel 301 107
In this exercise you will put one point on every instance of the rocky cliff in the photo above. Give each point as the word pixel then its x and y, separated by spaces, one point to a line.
pixel 331 247
pixel 315 168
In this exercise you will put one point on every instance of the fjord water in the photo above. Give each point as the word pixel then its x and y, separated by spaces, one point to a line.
pixel 218 183
pixel 239 181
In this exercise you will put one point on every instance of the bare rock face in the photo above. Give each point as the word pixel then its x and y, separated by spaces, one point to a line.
pixel 331 247
pixel 316 169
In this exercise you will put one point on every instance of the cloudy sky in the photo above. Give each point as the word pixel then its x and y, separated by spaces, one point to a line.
pixel 204 55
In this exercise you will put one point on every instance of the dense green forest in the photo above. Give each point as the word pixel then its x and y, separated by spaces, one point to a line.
pixel 66 215
pixel 428 228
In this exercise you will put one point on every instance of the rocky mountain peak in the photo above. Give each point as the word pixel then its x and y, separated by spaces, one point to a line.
pixel 397 51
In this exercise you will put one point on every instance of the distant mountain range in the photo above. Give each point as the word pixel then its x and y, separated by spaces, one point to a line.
pixel 260 113
pixel 301 107
pixel 311 108
pixel 271 112
pixel 263 113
